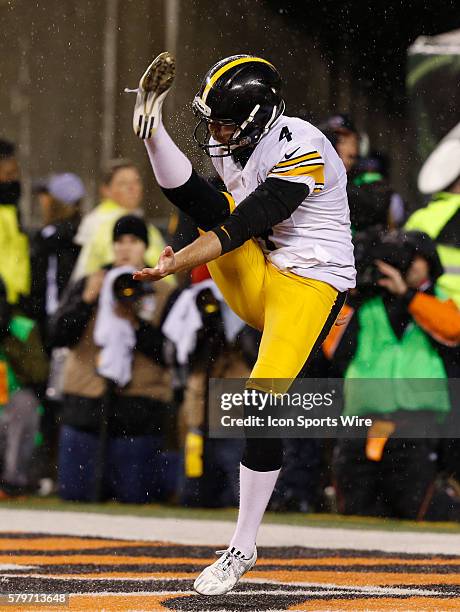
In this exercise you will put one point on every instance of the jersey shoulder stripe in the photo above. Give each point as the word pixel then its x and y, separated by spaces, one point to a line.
pixel 299 158
pixel 285 171
pixel 312 168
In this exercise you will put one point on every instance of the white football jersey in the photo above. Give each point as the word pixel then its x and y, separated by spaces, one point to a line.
pixel 315 241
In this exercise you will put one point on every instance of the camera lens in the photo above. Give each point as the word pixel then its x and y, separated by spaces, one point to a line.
pixel 126 289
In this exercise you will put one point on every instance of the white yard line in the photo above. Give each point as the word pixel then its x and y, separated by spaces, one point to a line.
pixel 313 589
pixel 300 592
pixel 320 587
pixel 215 533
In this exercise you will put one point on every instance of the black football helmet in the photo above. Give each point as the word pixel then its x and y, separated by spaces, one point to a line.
pixel 241 90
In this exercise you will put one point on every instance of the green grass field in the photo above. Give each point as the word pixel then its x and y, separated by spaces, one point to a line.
pixel 229 514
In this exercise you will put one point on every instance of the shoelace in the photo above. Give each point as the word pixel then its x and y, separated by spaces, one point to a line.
pixel 225 563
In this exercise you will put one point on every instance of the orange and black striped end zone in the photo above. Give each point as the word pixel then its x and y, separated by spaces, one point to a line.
pixel 106 574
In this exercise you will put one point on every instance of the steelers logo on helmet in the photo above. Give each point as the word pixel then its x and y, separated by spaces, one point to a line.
pixel 242 92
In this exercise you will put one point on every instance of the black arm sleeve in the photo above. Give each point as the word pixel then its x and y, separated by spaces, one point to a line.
pixel 200 200
pixel 272 202
pixel 72 317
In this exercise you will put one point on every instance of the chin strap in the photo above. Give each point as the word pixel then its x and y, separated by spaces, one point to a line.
pixel 274 116
pixel 276 112
pixel 245 123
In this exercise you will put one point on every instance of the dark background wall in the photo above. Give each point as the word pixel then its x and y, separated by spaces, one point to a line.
pixel 64 65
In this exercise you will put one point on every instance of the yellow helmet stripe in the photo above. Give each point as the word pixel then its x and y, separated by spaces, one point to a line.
pixel 223 70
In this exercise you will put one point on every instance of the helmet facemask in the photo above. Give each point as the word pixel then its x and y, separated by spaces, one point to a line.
pixel 247 132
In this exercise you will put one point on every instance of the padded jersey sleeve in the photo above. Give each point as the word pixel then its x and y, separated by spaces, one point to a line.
pixel 297 158
pixel 302 165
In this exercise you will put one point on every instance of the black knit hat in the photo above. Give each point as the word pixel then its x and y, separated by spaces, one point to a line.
pixel 131 224
pixel 425 247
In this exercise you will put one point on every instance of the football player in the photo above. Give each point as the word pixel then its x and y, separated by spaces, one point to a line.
pixel 277 242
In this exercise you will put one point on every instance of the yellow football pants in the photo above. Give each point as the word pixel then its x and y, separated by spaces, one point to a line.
pixel 290 310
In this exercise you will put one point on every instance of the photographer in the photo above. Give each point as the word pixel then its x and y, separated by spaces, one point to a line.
pixel 114 378
pixel 398 328
pixel 53 256
pixel 440 218
pixel 372 201
pixel 208 341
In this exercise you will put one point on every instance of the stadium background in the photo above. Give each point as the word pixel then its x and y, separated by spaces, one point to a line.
pixel 64 65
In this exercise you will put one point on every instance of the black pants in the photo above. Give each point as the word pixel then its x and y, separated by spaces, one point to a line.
pixel 401 485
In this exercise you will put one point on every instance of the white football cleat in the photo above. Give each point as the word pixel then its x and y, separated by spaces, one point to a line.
pixel 223 575
pixel 153 88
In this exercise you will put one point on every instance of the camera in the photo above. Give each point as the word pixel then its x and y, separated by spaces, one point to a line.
pixel 128 290
pixel 394 248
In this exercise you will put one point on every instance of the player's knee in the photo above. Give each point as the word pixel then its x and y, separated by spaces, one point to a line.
pixel 263 454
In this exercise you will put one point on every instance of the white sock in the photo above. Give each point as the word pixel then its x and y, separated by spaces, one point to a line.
pixel 170 166
pixel 256 489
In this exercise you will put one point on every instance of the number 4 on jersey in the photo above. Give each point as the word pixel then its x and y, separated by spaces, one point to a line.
pixel 285 133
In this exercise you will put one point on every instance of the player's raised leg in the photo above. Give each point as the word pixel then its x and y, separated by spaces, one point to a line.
pixel 172 169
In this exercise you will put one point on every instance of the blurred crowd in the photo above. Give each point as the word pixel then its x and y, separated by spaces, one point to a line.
pixel 104 380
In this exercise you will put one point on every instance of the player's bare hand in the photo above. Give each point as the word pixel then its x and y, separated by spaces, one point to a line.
pixel 166 265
